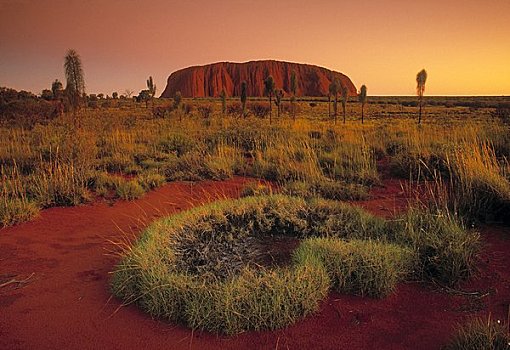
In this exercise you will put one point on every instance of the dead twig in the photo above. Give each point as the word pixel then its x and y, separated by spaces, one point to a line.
pixel 476 293
pixel 19 282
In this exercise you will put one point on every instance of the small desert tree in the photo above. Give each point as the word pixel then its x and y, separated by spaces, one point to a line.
pixel 421 78
pixel 278 96
pixel 115 95
pixel 362 99
pixel 128 93
pixel 75 87
pixel 143 96
pixel 47 95
pixel 244 95
pixel 57 89
pixel 152 89
pixel 293 90
pixel 345 97
pixel 223 96
pixel 269 86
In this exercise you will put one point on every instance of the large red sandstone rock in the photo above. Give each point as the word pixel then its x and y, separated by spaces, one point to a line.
pixel 209 80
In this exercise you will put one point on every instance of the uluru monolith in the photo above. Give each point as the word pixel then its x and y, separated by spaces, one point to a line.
pixel 210 79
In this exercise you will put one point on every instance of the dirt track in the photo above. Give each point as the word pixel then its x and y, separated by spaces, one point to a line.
pixel 65 302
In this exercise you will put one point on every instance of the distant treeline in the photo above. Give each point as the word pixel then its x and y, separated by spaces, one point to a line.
pixel 447 101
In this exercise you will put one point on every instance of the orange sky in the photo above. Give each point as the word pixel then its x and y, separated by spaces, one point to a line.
pixel 463 44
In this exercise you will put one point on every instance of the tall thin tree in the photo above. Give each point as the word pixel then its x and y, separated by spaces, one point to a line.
pixel 345 97
pixel 362 99
pixel 293 89
pixel 269 86
pixel 278 96
pixel 333 89
pixel 421 78
pixel 244 95
pixel 75 87
pixel 177 103
pixel 223 96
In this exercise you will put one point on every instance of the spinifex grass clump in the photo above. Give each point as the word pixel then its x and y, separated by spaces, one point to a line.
pixel 205 267
pixel 481 334
pixel 129 189
pixel 446 250
pixel 196 268
pixel 15 207
pixel 362 267
pixel 480 182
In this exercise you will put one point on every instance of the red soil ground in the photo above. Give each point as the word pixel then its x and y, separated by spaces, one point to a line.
pixel 63 301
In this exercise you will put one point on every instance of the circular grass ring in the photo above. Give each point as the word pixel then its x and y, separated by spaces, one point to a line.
pixel 192 268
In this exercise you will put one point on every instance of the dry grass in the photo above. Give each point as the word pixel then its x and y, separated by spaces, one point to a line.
pixel 57 164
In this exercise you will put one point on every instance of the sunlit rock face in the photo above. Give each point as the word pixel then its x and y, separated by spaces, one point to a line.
pixel 209 80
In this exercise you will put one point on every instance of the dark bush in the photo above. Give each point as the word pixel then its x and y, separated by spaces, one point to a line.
pixel 235 109
pixel 258 109
pixel 162 111
pixel 502 112
pixel 187 108
pixel 205 111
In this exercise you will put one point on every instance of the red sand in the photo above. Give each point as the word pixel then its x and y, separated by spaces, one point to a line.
pixel 66 303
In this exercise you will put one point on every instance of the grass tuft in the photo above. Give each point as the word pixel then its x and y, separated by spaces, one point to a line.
pixel 17 210
pixel 481 334
pixel 362 267
pixel 446 251
pixel 129 189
